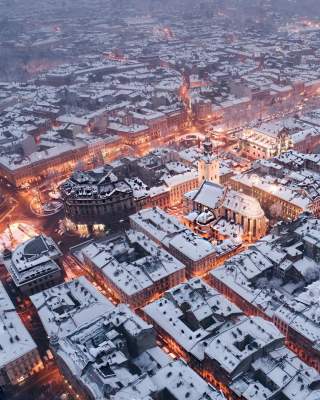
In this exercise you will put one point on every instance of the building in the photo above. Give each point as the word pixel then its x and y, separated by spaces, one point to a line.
pixel 157 225
pixel 201 108
pixel 176 381
pixel 189 314
pixel 234 352
pixel 33 265
pixel 132 267
pixel 64 308
pixel 19 356
pixel 208 165
pixel 297 171
pixel 272 138
pixel 198 254
pixel 156 122
pixel 180 184
pixel 280 374
pixel 285 186
pixel 144 129
pixel 97 198
pixel 195 252
pixel 134 135
pixel 26 160
pixel 278 279
pixel 264 143
pixel 85 329
pixel 109 353
pixel 213 203
pixel 280 201
pixel 94 198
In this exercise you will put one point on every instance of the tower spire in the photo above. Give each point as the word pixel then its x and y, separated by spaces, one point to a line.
pixel 208 165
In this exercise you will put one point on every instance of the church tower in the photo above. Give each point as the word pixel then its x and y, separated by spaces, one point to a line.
pixel 208 165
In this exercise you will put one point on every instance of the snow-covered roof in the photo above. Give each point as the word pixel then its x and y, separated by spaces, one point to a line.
pixel 66 307
pixel 177 379
pixel 15 340
pixel 210 195
pixel 191 313
pixel 192 246
pixel 283 255
pixel 285 373
pixel 233 346
pixel 111 352
pixel 157 224
pixel 32 259
pixel 132 262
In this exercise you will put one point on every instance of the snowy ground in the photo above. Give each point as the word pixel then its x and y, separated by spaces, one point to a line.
pixel 15 234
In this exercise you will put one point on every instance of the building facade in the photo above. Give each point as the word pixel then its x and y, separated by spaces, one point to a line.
pixel 33 265
pixel 96 198
pixel 19 355
pixel 132 268
pixel 213 203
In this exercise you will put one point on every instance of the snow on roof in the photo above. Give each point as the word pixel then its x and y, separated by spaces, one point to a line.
pixel 66 307
pixel 233 346
pixel 133 128
pixel 181 178
pixel 272 185
pixel 209 310
pixel 287 375
pixel 52 145
pixel 106 344
pixel 191 155
pixel 281 255
pixel 133 262
pixel 148 116
pixel 157 224
pixel 302 135
pixel 243 204
pixel 210 194
pixel 176 238
pixel 192 246
pixel 15 340
pixel 176 378
pixel 32 259
pixel 228 228
pixel 100 183
pixel 72 119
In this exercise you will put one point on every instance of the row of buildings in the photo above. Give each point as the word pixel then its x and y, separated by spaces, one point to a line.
pixel 197 253
pixel 157 253
pixel 165 178
pixel 243 356
pixel 107 351
pixel 245 329
pixel 270 139
pixel 105 195
pixel 278 279
pixel 285 186
pixel 115 191
pixel 132 267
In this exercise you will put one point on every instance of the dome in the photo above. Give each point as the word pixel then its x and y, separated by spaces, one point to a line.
pixel 205 217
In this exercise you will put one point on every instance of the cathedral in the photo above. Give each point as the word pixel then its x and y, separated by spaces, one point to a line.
pixel 218 212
